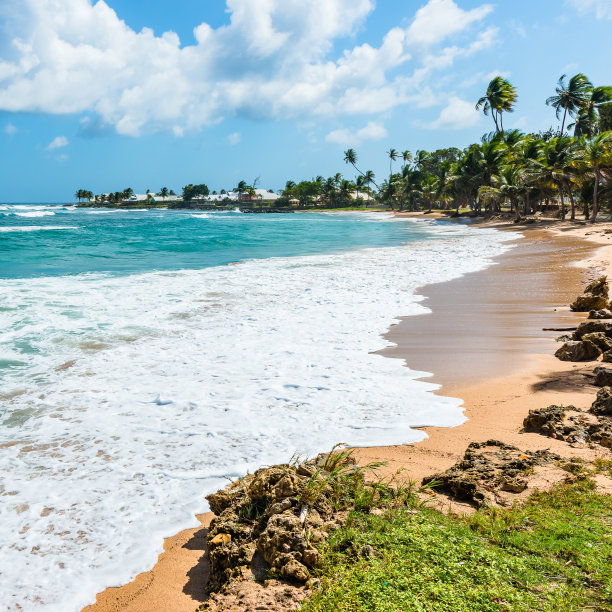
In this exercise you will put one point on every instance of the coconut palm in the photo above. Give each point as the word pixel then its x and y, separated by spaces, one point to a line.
pixel 350 157
pixel 393 155
pixel 499 98
pixel 570 96
pixel 554 168
pixel 163 192
pixel 594 157
pixel 406 158
pixel 587 120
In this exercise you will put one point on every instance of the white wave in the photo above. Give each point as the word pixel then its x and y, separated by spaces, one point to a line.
pixel 143 392
pixel 38 213
pixel 34 228
pixel 200 216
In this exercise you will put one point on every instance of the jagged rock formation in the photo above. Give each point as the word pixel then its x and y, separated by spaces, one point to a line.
pixel 603 376
pixel 573 425
pixel 587 343
pixel 487 469
pixel 595 297
pixel 578 351
pixel 270 523
pixel 602 313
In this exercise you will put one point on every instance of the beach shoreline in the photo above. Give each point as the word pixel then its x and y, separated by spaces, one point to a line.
pixel 526 367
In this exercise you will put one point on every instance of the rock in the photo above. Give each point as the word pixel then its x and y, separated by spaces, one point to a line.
pixel 310 557
pixel 279 507
pixel 263 481
pixel 220 501
pixel 587 302
pixel 516 485
pixel 603 313
pixel 290 484
pixel 487 468
pixel 590 327
pixel 546 420
pixel 294 570
pixel 221 538
pixel 578 351
pixel 598 287
pixel 282 531
pixel 602 406
pixel 603 376
pixel 607 357
pixel 599 339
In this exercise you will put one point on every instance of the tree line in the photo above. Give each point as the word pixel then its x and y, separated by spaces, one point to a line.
pixel 568 167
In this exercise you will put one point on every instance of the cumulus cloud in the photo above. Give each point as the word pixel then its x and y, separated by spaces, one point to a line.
pixel 57 143
pixel 234 138
pixel 10 129
pixel 601 8
pixel 372 131
pixel 274 59
pixel 458 115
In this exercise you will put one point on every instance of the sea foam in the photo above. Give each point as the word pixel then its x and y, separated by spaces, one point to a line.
pixel 141 394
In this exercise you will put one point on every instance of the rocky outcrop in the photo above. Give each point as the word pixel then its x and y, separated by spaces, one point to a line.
pixel 602 406
pixel 599 339
pixel 603 376
pixel 591 327
pixel 575 426
pixel 577 350
pixel 595 297
pixel 603 313
pixel 270 523
pixel 487 469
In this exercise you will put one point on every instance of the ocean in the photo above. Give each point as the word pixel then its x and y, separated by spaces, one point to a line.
pixel 148 356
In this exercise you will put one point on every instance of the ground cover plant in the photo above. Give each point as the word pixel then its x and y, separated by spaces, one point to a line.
pixel 552 553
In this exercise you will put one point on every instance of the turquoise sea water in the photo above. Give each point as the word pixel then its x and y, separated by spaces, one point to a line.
pixel 138 371
pixel 54 240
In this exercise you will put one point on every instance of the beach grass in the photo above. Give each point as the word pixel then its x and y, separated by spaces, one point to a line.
pixel 552 553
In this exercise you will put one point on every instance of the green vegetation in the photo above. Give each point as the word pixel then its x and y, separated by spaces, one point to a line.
pixel 554 553
pixel 526 173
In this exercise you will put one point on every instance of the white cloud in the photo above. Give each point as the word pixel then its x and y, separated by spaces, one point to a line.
pixel 372 131
pixel 458 115
pixel 439 19
pixel 273 60
pixel 57 143
pixel 10 129
pixel 601 8
pixel 234 138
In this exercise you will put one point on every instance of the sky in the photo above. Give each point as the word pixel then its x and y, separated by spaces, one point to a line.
pixel 105 95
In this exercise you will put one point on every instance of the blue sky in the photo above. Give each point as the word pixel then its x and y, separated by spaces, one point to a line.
pixel 153 93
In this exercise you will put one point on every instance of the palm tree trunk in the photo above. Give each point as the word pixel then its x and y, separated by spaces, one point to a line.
pixel 527 203
pixel 562 204
pixel 595 195
pixel 563 123
pixel 501 121
pixel 572 203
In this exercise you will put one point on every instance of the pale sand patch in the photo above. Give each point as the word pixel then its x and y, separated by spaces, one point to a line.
pixel 485 343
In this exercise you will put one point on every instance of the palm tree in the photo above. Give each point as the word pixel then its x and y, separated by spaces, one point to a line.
pixel 587 121
pixel 393 155
pixel 350 157
pixel 553 167
pixel 595 157
pixel 406 158
pixel 570 97
pixel 499 98
pixel 369 178
pixel 127 193
pixel 79 195
pixel 163 192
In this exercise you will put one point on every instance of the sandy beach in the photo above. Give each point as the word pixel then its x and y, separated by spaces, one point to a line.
pixel 484 342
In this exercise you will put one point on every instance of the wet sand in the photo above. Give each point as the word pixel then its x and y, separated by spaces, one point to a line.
pixel 485 344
